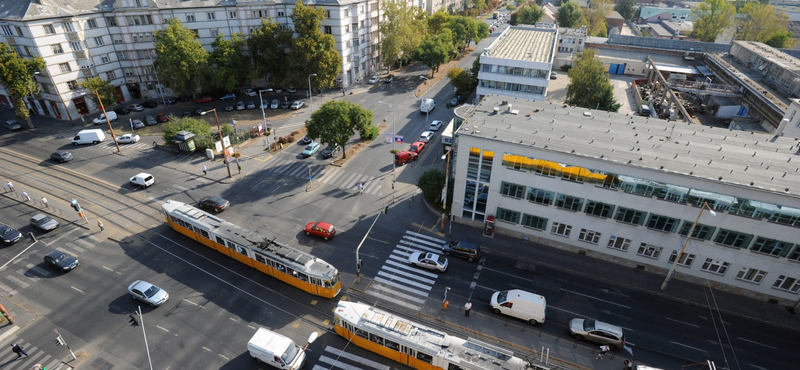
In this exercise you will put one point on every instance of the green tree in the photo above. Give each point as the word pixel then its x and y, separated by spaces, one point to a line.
pixel 528 14
pixel 336 121
pixel 783 39
pixel 569 15
pixel 431 183
pixel 466 30
pixel 589 86
pixel 760 22
pixel 229 65
pixel 205 135
pixel 435 51
pixel 312 51
pixel 462 81
pixel 477 5
pixel 595 17
pixel 712 17
pixel 181 58
pixel 402 30
pixel 16 76
pixel 101 92
pixel 510 7
pixel 438 21
pixel 268 45
pixel 626 8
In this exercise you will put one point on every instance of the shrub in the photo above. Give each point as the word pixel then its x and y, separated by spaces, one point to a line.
pixel 372 133
pixel 566 67
pixel 431 183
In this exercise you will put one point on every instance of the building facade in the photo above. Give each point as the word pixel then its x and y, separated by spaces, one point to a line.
pixel 87 39
pixel 629 189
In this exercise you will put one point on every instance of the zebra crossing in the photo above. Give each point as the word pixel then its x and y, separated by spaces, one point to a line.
pixel 336 358
pixel 10 360
pixel 324 173
pixel 140 145
pixel 399 282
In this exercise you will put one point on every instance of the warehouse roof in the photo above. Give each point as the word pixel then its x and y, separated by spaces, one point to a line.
pixel 525 43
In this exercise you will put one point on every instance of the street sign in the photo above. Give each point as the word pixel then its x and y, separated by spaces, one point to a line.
pixel 388 138
pixel 227 141
pixel 398 138
pixel 310 178
pixel 218 146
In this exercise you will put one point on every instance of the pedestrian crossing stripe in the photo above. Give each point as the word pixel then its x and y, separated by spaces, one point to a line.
pixel 327 174
pixel 339 355
pixel 35 356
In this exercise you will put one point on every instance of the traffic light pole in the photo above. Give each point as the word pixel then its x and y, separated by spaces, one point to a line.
pixel 77 207
pixel 61 342
pixel 135 321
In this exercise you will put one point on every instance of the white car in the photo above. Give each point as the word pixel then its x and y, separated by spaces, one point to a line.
pixel 428 260
pixel 240 105
pixel 426 136
pixel 148 293
pixel 435 125
pixel 143 179
pixel 250 92
pixel 298 104
pixel 128 139
pixel 374 79
pixel 264 104
pixel 136 107
pixel 291 89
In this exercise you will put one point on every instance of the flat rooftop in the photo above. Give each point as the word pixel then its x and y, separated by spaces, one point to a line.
pixel 525 43
pixel 775 56
pixel 718 155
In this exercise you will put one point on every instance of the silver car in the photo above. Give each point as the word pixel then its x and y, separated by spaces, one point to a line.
pixel 598 332
pixel 148 293
pixel 428 260
pixel 42 222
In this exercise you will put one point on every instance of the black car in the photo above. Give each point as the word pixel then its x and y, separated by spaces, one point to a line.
pixel 389 79
pixel 463 249
pixel 186 113
pixel 305 140
pixel 61 261
pixel 9 234
pixel 61 156
pixel 184 98
pixel 150 104
pixel 169 100
pixel 122 111
pixel 286 104
pixel 214 203
pixel 199 112
pixel 331 150
pixel 229 108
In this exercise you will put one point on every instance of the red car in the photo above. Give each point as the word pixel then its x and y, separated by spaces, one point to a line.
pixel 321 229
pixel 417 147
pixel 162 117
pixel 205 99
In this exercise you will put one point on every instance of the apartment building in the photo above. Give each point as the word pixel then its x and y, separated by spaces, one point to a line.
pixel 114 40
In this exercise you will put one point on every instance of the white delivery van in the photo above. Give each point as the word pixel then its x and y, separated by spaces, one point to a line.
pixel 112 116
pixel 143 179
pixel 274 349
pixel 426 105
pixel 93 136
pixel 520 304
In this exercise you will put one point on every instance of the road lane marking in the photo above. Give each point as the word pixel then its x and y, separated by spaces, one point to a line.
pixel 512 275
pixel 682 322
pixel 760 344
pixel 681 344
pixel 595 298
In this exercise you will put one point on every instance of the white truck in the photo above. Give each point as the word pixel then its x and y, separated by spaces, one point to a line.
pixel 426 105
pixel 93 136
pixel 276 350
pixel 520 304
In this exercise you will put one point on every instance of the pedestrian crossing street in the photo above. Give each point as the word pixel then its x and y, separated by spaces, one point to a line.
pixel 403 284
pixel 10 360
pixel 325 173
pixel 335 358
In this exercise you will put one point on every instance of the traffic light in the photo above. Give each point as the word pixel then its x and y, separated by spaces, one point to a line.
pixel 60 342
pixel 134 321
pixel 76 206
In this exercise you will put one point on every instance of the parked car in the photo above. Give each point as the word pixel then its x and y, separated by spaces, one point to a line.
pixel 250 92
pixel 228 97
pixel 9 234
pixel 298 104
pixel 389 79
pixel 553 75
pixel 61 261
pixel 143 179
pixel 150 120
pixel 162 117
pixel 12 125
pixel 150 104
pixel 264 104
pixel 463 249
pixel 305 140
pixel 374 79
pixel 184 98
pixel 43 222
pixel 321 229
pixel 122 111
pixel 240 105
pixel 169 100
pixel 61 156
pixel 426 136
pixel 404 157
pixel 186 113
pixel 598 332
pixel 199 112
pixel 205 99
pixel 137 123
pixel 279 90
pixel 214 203
pixel 435 125
pixel 291 90
pixel 229 108
pixel 275 104
pixel 136 107
pixel 331 150
pixel 417 147
pixel 128 139
pixel 148 293
pixel 251 105
pixel 286 104
pixel 454 101
pixel 112 116
pixel 311 149
pixel 428 260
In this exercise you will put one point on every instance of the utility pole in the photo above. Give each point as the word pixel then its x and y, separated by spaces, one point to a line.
pixel 103 108
pixel 221 139
pixel 358 260
pixel 61 342
pixel 136 319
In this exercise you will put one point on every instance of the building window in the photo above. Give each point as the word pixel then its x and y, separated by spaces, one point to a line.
pixel 534 222
pixel 630 216
pixel 135 38
pixel 771 246
pixel 599 209
pixel 512 190
pixel 561 229
pixel 328 30
pixel 19 31
pixel 662 223
pixel 214 32
pixel 507 215
pixel 615 242
pixel 110 75
pixel 68 26
pixel 589 236
pixel 105 59
pixel 733 238
pixel 76 45
pixel 122 55
pixel 65 67
pixel 715 267
pixel 128 71
pixel 57 49
pixel 346 28
pixel 190 18
pixel 795 255
pixel 569 202
pixel 98 41
pixel 111 21
pixel 7 30
pixel 649 250
pixel 281 13
pixel 48 29
pixel 73 85
pixel 540 196
pixel 211 16
pixel 702 232
pixel 91 23
pixel 473 162
pixel 787 283
pixel 685 261
pixel 232 15
pixel 751 275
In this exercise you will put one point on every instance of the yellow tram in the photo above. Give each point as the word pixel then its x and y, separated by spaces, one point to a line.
pixel 280 261
pixel 415 345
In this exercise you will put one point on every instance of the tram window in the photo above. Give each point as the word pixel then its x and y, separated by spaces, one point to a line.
pixel 407 350
pixel 241 249
pixel 292 272
pixel 205 234
pixel 180 222
pixel 280 267
pixel 451 366
pixel 327 284
pixel 230 244
pixel 261 258
pixel 302 276
pixel 424 357
pixel 220 240
pixel 376 339
pixel 392 345
pixel 361 333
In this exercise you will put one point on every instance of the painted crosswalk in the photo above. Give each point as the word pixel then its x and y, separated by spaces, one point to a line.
pixel 324 173
pixel 400 283
pixel 334 358
pixel 141 145
pixel 11 361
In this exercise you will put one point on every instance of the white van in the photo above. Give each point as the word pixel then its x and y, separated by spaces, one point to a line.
pixel 143 179
pixel 426 105
pixel 276 350
pixel 520 304
pixel 93 136
pixel 112 116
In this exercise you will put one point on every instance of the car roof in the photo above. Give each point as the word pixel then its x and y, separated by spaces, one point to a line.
pixel 606 327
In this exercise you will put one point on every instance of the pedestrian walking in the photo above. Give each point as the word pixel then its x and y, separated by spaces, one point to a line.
pixel 603 349
pixel 467 307
pixel 342 92
pixel 154 144
pixel 16 348
pixel 360 187
pixel 205 170
pixel 83 120
pixel 628 365
pixel 10 185
pixel 25 195
pixel 240 168
pixel 100 225
pixel 44 201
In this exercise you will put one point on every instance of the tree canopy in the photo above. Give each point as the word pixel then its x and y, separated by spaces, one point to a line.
pixel 712 17
pixel 626 8
pixel 267 45
pixel 569 15
pixel 204 133
pixel 312 51
pixel 595 17
pixel 225 63
pixel 462 81
pixel 436 50
pixel 16 76
pixel 762 23
pixel 528 14
pixel 336 121
pixel 589 86
pixel 181 57
pixel 98 87
pixel 402 30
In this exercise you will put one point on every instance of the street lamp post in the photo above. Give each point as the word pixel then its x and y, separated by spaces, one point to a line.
pixel 311 93
pixel 263 115
pixel 358 249
pixel 683 245
pixel 394 134
pixel 155 71
pixel 222 140
pixel 426 99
